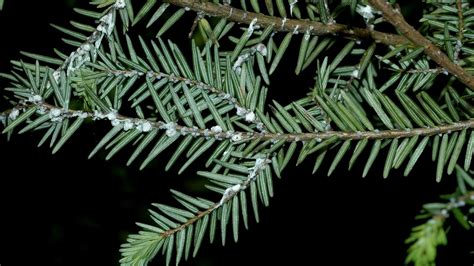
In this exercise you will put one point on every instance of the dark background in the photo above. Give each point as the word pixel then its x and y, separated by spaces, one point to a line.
pixel 66 210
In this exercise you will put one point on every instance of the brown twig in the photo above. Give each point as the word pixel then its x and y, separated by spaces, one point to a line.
pixel 459 42
pixel 399 22
pixel 461 20
pixel 286 24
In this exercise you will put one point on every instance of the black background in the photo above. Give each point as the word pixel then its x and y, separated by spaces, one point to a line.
pixel 66 210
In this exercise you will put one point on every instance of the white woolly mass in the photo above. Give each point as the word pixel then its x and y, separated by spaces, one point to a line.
pixel 250 117
pixel 14 114
pixel 115 123
pixel 252 27
pixel 292 5
pixel 216 129
pixel 261 48
pixel 237 67
pixel 111 116
pixel 35 98
pixel 87 52
pixel 145 126
pixel 56 115
pixel 229 192
pixel 127 125
pixel 98 115
pixel 55 112
pixel 241 111
pixel 355 73
pixel 236 137
pixel 120 4
pixel 283 22
pixel 260 163
pixel 457 51
pixel 108 24
pixel 366 12
pixel 170 132
pixel 170 129
pixel 307 35
pixel 80 114
pixel 295 30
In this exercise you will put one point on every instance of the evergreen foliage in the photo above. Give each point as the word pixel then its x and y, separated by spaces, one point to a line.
pixel 408 94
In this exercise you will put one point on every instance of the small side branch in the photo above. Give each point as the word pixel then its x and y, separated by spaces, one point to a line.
pixel 228 195
pixel 399 22
pixel 245 113
pixel 286 24
pixel 461 20
pixel 89 48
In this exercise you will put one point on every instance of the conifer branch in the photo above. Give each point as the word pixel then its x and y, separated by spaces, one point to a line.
pixel 286 24
pixel 228 195
pixel 195 219
pixel 195 103
pixel 242 111
pixel 455 202
pixel 461 20
pixel 117 119
pixel 88 50
pixel 398 21
pixel 426 237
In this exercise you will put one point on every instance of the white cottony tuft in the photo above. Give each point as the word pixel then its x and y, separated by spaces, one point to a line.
pixel 56 115
pixel 262 49
pixel 56 75
pixel 283 22
pixel 236 137
pixel 216 129
pixel 115 122
pixel 120 4
pixel 252 27
pixel 355 73
pixel 229 192
pixel 112 116
pixel 98 115
pixel 170 129
pixel 35 98
pixel 108 22
pixel 250 117
pixel 14 114
pixel 235 188
pixel 365 11
pixel 86 47
pixel 55 112
pixel 127 125
pixel 260 163
pixel 241 111
pixel 146 127
pixel 80 114
pixel 170 132
pixel 292 5
pixel 237 67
